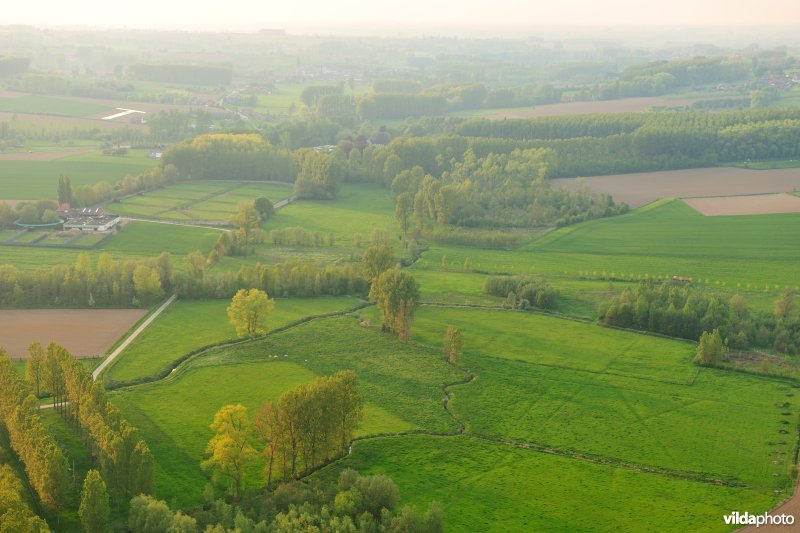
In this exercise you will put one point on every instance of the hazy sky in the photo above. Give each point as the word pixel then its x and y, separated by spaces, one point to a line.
pixel 254 14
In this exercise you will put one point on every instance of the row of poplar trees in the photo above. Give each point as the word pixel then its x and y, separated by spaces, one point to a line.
pixel 125 461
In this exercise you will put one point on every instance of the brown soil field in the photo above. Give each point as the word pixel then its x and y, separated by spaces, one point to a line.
pixel 624 105
pixel 84 332
pixel 759 204
pixel 41 156
pixel 644 187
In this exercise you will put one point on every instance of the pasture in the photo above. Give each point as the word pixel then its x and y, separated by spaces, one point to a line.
pixel 84 332
pixel 668 238
pixel 601 403
pixel 47 105
pixel 203 200
pixel 401 383
pixel 191 324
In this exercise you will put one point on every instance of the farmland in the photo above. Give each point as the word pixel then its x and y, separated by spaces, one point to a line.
pixel 85 332
pixel 34 180
pixel 215 201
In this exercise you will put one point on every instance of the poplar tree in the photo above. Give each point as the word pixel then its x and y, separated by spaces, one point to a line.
pixel 94 510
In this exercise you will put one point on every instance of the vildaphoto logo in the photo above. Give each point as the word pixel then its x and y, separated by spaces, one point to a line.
pixel 746 519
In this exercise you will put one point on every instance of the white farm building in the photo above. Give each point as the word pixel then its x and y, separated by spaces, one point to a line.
pixel 89 219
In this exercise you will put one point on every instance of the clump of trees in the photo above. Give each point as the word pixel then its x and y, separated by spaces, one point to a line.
pixel 38 212
pixel 307 426
pixel 298 236
pixel 319 175
pixel 396 294
pixel 686 312
pixel 522 292
pixel 230 156
pixel 355 503
pixel 711 349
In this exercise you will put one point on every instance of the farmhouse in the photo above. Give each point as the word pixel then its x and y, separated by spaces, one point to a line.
pixel 88 219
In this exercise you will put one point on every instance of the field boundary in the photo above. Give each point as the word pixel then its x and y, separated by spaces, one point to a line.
pixel 119 349
pixel 171 369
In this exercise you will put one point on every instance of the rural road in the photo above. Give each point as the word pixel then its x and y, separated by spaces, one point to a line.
pixel 126 342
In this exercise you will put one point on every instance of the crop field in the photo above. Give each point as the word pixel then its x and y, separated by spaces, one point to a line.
pixel 188 325
pixel 35 180
pixel 198 200
pixel 46 105
pixel 667 238
pixel 622 105
pixel 84 332
pixel 761 204
pixel 644 187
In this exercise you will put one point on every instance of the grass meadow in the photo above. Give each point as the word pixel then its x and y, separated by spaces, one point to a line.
pixel 191 324
pixel 35 180
pixel 46 105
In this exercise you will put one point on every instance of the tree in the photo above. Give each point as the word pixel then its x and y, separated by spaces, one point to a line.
pixel 785 304
pixel 229 449
pixel 403 209
pixel 396 294
pixel 264 207
pixel 452 345
pixel 378 259
pixel 94 510
pixel 711 350
pixel 64 190
pixel 246 221
pixel 249 311
pixel 34 367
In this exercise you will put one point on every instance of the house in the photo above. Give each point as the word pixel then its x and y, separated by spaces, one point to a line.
pixel 88 219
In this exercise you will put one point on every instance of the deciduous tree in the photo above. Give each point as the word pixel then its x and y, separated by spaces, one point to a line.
pixel 229 449
pixel 94 509
pixel 249 311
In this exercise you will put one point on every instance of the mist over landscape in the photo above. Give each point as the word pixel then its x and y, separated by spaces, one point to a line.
pixel 413 267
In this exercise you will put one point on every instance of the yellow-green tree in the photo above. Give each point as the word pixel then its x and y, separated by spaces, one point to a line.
pixel 249 311
pixel 34 367
pixel 377 260
pixel 396 294
pixel 246 221
pixel 452 345
pixel 94 510
pixel 229 450
pixel 711 349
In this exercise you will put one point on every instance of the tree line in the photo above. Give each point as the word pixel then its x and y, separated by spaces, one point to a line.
pixel 45 465
pixel 15 513
pixel 688 312
pixel 125 461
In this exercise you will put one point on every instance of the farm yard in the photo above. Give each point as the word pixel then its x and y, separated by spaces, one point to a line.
pixel 85 332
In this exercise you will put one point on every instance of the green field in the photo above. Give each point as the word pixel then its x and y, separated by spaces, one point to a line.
pixel 198 200
pixel 35 180
pixel 660 240
pixel 357 209
pixel 401 385
pixel 485 486
pixel 191 324
pixel 46 105
pixel 604 404
pixel 136 240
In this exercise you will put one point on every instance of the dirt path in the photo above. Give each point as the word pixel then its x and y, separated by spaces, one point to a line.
pixel 132 336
